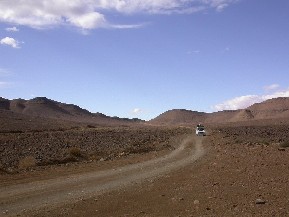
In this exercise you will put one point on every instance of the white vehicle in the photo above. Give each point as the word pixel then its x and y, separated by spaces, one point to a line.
pixel 200 130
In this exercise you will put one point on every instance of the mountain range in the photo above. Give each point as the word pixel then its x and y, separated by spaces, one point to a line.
pixel 43 113
pixel 269 110
pixel 44 109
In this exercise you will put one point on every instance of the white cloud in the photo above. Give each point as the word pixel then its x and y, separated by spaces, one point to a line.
pixel 271 87
pixel 219 5
pixel 12 29
pixel 88 21
pixel 237 103
pixel 47 13
pixel 128 26
pixel 163 6
pixel 284 93
pixel 144 6
pixel 136 111
pixel 242 102
pixel 91 14
pixel 10 42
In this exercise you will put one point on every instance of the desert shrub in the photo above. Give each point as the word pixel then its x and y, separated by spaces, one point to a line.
pixel 90 126
pixel 238 141
pixel 284 144
pixel 75 152
pixel 2 169
pixel 27 162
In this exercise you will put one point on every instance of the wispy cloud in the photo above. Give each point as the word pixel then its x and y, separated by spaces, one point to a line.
pixel 128 26
pixel 242 102
pixel 219 5
pixel 12 29
pixel 163 6
pixel 190 52
pixel 92 14
pixel 10 42
pixel 271 87
pixel 4 72
pixel 4 84
pixel 136 111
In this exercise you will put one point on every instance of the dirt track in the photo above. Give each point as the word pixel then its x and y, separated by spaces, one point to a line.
pixel 15 199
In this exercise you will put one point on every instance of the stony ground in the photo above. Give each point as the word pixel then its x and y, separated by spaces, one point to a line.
pixel 248 179
pixel 27 150
pixel 245 172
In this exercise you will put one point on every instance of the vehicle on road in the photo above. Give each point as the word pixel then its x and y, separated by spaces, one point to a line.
pixel 200 130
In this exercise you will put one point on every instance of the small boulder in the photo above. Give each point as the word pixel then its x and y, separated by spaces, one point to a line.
pixel 196 202
pixel 260 201
pixel 281 149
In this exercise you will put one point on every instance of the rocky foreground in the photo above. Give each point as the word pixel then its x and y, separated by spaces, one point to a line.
pixel 244 172
pixel 28 150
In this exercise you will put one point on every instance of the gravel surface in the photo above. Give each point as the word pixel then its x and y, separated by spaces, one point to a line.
pixel 244 172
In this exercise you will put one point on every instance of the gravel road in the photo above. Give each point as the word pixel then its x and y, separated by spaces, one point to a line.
pixel 15 199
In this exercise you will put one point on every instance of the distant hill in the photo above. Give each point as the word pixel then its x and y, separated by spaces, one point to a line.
pixel 179 116
pixel 46 110
pixel 42 112
pixel 272 109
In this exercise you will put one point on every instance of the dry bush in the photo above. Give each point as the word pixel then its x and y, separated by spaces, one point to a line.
pixel 90 126
pixel 27 162
pixel 75 152
pixel 284 144
pixel 2 169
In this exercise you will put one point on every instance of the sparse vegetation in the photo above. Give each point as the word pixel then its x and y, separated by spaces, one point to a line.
pixel 27 162
pixel 75 152
pixel 60 147
pixel 284 144
pixel 90 126
pixel 256 135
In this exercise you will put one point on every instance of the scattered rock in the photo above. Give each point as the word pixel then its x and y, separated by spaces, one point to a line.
pixel 281 149
pixel 196 202
pixel 260 201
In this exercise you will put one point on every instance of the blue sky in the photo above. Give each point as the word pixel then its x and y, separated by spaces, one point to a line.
pixel 133 58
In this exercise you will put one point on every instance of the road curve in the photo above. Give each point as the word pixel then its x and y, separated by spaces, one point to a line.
pixel 16 198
